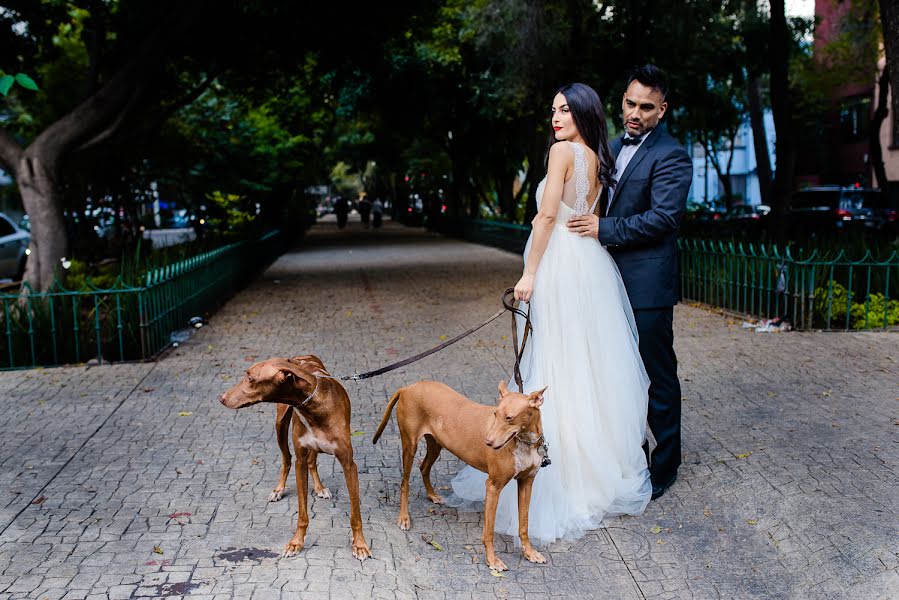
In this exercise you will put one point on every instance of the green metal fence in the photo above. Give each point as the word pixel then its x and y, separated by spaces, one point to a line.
pixel 811 291
pixel 125 322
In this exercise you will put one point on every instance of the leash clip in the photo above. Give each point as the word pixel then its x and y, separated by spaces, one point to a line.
pixel 543 451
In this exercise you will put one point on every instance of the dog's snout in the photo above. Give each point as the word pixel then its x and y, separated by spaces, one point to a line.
pixel 222 398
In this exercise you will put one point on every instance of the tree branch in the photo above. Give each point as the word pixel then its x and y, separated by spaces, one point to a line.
pixel 116 125
pixel 10 152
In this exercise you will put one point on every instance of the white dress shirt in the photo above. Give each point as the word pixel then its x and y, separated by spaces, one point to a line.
pixel 624 157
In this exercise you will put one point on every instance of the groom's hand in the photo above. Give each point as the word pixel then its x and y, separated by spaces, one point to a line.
pixel 585 226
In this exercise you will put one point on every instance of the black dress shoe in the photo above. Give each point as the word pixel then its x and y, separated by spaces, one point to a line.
pixel 659 489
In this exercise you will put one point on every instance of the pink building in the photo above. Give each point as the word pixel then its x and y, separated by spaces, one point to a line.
pixel 844 155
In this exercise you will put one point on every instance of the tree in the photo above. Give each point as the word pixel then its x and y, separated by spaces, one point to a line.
pixel 37 165
pixel 889 18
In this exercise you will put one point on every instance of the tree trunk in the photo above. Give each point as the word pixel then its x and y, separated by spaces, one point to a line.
pixel 874 130
pixel 760 139
pixel 41 198
pixel 889 18
pixel 782 106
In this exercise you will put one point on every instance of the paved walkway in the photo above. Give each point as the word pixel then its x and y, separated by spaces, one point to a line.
pixel 132 481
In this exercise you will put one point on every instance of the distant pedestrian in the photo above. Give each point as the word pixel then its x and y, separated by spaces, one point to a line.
pixel 377 211
pixel 342 210
pixel 364 208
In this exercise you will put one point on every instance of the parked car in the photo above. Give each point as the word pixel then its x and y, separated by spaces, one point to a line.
pixel 826 209
pixel 704 212
pixel 885 211
pixel 745 218
pixel 13 248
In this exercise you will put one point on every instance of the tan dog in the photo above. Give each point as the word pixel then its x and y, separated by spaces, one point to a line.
pixel 321 423
pixel 502 441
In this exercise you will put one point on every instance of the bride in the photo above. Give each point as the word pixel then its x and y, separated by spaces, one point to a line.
pixel 583 347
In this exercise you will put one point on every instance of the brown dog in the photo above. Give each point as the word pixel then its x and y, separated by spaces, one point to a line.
pixel 321 423
pixel 283 419
pixel 502 441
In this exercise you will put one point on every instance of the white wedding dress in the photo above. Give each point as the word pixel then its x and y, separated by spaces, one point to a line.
pixel 584 348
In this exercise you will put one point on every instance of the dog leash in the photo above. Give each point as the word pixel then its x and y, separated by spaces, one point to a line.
pixel 508 305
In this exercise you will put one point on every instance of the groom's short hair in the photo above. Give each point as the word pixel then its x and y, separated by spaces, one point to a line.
pixel 651 76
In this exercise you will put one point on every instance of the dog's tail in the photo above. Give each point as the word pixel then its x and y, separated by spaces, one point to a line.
pixel 393 400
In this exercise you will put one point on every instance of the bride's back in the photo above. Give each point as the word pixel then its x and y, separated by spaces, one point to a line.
pixel 583 183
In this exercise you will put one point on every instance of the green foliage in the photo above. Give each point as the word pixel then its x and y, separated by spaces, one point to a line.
pixel 862 315
pixel 7 81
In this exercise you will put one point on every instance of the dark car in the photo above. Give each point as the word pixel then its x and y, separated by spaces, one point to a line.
pixel 745 217
pixel 828 209
pixel 884 210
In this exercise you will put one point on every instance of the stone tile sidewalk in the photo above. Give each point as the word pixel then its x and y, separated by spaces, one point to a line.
pixel 132 481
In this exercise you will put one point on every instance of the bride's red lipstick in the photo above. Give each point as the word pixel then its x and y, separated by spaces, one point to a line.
pixel 556 128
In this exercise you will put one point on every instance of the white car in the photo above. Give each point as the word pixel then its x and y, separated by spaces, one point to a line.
pixel 13 242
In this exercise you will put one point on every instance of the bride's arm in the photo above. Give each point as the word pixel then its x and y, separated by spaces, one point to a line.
pixel 561 161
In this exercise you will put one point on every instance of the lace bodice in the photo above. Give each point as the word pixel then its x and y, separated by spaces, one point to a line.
pixel 575 190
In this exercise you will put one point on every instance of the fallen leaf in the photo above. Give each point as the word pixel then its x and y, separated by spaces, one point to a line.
pixel 185 413
pixel 148 390
pixel 436 545
pixel 744 455
pixel 656 530
pixel 349 313
pixel 442 337
pixel 660 541
pixel 752 521
pixel 355 433
pixel 496 573
pixel 707 513
pixel 179 514
pixel 157 549
pixel 39 500
pixel 254 461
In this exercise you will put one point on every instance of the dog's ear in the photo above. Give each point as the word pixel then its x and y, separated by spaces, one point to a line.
pixel 535 399
pixel 285 375
pixel 503 390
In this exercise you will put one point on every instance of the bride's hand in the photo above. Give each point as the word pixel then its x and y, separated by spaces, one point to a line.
pixel 524 288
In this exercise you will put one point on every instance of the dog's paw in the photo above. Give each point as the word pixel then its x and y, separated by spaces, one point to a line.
pixel 323 493
pixel 497 565
pixel 405 522
pixel 293 547
pixel 436 498
pixel 534 556
pixel 361 551
pixel 276 495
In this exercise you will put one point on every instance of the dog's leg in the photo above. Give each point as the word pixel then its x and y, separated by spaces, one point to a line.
pixel 282 432
pixel 296 543
pixel 404 520
pixel 351 473
pixel 320 490
pixel 524 502
pixel 491 499
pixel 433 452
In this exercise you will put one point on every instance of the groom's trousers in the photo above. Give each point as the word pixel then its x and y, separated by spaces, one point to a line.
pixel 655 327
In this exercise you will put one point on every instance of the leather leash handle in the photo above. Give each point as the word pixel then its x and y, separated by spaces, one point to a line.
pixel 518 350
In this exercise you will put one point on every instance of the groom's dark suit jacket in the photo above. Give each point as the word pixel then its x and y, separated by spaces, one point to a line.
pixel 640 229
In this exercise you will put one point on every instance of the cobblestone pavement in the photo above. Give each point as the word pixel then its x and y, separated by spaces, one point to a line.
pixel 132 481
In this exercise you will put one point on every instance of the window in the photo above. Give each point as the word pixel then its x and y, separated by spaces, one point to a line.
pixel 738 187
pixel 6 228
pixel 855 113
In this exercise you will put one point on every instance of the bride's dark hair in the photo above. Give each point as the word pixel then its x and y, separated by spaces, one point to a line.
pixel 590 120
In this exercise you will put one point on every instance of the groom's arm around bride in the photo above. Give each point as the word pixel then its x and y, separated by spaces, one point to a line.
pixel 639 228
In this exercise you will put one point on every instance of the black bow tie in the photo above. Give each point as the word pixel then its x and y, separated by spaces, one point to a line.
pixel 631 141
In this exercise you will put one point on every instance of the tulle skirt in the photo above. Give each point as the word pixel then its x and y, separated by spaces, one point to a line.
pixel 584 347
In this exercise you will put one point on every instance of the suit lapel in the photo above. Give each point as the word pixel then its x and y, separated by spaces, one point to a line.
pixel 641 153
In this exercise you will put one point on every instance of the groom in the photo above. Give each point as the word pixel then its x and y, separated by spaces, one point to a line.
pixel 639 228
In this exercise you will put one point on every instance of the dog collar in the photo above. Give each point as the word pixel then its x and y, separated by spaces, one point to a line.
pixel 542 448
pixel 310 396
